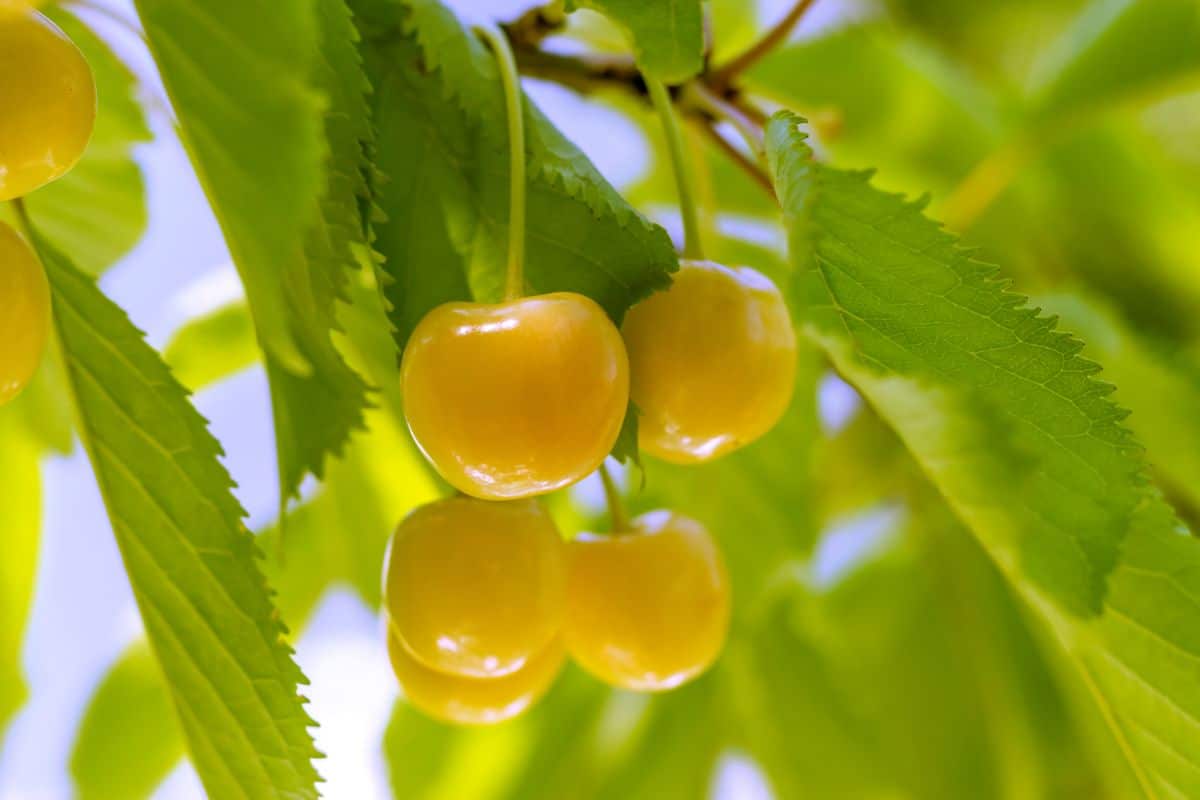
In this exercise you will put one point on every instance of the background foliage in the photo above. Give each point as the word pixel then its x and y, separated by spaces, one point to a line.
pixel 963 564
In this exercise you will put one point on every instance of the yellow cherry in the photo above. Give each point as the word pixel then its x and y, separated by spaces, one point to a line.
pixel 474 588
pixel 647 609
pixel 47 103
pixel 474 701
pixel 712 362
pixel 17 6
pixel 24 312
pixel 518 398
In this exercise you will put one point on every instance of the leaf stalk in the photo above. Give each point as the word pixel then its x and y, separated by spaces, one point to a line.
pixel 514 284
pixel 693 247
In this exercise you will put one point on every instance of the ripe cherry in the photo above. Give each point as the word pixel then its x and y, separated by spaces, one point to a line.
pixel 648 608
pixel 474 701
pixel 518 398
pixel 476 589
pixel 24 313
pixel 712 362
pixel 48 102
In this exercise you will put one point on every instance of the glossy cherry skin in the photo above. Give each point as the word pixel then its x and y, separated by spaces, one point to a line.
pixel 516 399
pixel 647 609
pixel 712 362
pixel 476 589
pixel 24 313
pixel 47 103
pixel 475 701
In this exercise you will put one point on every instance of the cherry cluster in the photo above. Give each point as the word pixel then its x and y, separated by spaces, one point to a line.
pixel 517 399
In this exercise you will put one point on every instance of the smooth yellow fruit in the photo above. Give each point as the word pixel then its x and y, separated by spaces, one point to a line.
pixel 712 362
pixel 647 609
pixel 519 398
pixel 474 701
pixel 17 6
pixel 24 313
pixel 47 103
pixel 475 588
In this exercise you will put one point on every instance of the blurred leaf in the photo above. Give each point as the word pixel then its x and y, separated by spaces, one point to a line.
pixel 442 145
pixel 44 408
pixel 983 392
pixel 106 182
pixel 20 529
pixel 1118 50
pixel 674 749
pixel 284 182
pixel 212 347
pixel 896 103
pixel 191 562
pixel 416 749
pixel 129 740
pixel 667 35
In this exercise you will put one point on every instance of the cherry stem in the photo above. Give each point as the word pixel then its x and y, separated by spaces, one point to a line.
pixel 616 509
pixel 724 75
pixel 693 247
pixel 514 285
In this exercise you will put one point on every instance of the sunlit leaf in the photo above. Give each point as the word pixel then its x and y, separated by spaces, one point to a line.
pixel 442 147
pixel 212 347
pixel 20 530
pixel 284 182
pixel 131 699
pixel 1008 422
pixel 191 563
pixel 667 35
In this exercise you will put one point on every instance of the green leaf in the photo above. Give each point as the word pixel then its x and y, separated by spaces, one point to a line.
pixel 1093 66
pixel 274 127
pixel 1007 420
pixel 250 119
pixel 191 563
pixel 106 181
pixel 1145 373
pixel 315 413
pixel 667 35
pixel 442 147
pixel 212 347
pixel 996 404
pixel 20 527
pixel 129 740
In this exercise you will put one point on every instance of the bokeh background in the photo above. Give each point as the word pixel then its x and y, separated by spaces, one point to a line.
pixel 1112 204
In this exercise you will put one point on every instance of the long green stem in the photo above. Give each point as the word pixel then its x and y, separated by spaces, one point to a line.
pixel 692 246
pixel 616 509
pixel 514 285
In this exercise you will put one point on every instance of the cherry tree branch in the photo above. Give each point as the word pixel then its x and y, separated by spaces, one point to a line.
pixel 723 76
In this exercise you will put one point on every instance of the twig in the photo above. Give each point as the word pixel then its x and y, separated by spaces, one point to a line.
pixel 739 158
pixel 723 76
pixel 707 100
pixel 585 74
pixel 532 27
